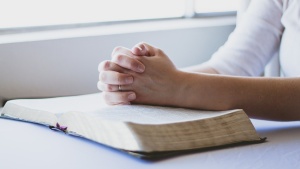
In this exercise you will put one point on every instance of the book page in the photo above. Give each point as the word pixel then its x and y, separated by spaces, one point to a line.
pixel 60 105
pixel 144 114
pixel 93 105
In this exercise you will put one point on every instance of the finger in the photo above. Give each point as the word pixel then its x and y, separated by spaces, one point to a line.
pixel 108 65
pixel 120 49
pixel 115 78
pixel 139 50
pixel 128 62
pixel 114 98
pixel 107 87
pixel 112 88
pixel 124 58
pixel 147 49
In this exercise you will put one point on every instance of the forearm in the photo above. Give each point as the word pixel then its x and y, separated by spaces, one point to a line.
pixel 202 68
pixel 264 98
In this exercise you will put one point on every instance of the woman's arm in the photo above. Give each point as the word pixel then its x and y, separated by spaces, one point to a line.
pixel 201 68
pixel 162 84
pixel 263 98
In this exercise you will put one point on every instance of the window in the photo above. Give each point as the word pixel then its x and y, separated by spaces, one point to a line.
pixel 212 6
pixel 36 13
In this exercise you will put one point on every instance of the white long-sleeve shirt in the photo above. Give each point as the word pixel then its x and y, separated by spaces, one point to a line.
pixel 268 27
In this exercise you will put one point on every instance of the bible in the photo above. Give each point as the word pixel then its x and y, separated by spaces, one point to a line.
pixel 142 130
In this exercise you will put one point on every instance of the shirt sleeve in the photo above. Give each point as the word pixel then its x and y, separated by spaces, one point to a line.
pixel 254 41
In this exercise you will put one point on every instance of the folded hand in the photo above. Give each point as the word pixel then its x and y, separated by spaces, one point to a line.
pixel 143 75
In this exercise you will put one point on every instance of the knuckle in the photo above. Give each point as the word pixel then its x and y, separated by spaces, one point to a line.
pixel 104 65
pixel 109 88
pixel 158 50
pixel 117 49
pixel 119 58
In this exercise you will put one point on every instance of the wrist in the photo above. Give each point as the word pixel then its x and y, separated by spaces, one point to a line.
pixel 179 89
pixel 200 91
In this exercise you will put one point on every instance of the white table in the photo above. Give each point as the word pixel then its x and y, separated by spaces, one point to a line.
pixel 25 145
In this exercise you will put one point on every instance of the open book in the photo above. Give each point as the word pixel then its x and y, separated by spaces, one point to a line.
pixel 135 128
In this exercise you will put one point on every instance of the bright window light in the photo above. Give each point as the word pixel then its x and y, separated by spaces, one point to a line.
pixel 35 13
pixel 211 6
pixel 30 13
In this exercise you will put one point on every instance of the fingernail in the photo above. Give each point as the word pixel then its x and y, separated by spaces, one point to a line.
pixel 131 96
pixel 128 80
pixel 139 48
pixel 141 68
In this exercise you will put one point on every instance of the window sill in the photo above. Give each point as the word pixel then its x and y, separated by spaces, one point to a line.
pixel 124 28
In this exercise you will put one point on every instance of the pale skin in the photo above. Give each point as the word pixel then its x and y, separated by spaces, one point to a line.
pixel 148 76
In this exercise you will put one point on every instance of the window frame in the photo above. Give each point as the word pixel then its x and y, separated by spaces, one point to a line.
pixel 190 13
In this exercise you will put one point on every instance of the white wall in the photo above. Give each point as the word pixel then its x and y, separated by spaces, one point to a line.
pixel 68 66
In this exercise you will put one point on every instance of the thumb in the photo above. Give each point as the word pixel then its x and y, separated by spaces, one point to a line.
pixel 143 49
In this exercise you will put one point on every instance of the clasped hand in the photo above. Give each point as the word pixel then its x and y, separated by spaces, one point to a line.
pixel 142 75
